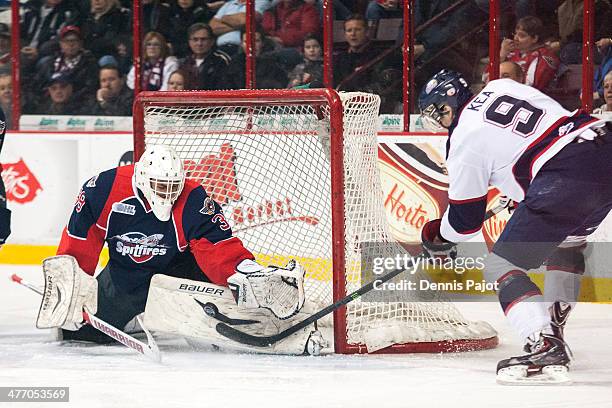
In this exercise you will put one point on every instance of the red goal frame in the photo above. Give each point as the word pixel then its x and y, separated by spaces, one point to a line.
pixel 316 97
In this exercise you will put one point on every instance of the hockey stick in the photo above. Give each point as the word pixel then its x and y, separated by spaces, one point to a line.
pixel 148 349
pixel 267 341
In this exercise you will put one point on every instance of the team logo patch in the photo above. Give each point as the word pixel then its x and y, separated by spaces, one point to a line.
pixel 140 247
pixel 123 208
pixel 92 182
pixel 209 206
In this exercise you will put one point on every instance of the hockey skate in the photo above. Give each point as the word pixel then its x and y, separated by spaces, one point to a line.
pixel 559 312
pixel 546 365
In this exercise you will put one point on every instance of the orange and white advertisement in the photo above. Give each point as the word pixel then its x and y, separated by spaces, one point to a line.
pixel 415 186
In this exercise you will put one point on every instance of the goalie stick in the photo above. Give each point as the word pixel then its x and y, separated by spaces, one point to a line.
pixel 267 341
pixel 148 349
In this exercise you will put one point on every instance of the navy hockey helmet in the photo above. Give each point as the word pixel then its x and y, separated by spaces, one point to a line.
pixel 444 88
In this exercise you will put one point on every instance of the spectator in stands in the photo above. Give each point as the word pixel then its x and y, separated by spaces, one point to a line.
pixel 444 31
pixel 570 21
pixel 179 81
pixel 606 107
pixel 527 49
pixel 59 98
pixel 268 73
pixel 122 54
pixel 289 21
pixel 214 5
pixel 113 98
pixel 6 97
pixel 311 70
pixel 512 70
pixel 105 22
pixel 156 17
pixel 604 47
pixel 206 65
pixel 183 14
pixel 230 20
pixel 438 46
pixel 5 48
pixel 72 60
pixel 157 65
pixel 342 8
pixel 40 24
pixel 358 53
pixel 380 9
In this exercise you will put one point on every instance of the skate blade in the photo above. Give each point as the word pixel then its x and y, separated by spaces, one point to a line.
pixel 550 375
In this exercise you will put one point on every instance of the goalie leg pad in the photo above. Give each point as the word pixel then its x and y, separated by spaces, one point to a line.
pixel 193 309
pixel 68 290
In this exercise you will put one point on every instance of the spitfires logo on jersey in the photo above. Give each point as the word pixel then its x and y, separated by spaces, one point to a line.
pixel 140 247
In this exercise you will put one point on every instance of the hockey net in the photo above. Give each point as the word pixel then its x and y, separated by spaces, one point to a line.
pixel 265 156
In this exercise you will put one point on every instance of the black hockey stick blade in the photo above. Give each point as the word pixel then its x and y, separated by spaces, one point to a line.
pixel 267 341
pixel 213 311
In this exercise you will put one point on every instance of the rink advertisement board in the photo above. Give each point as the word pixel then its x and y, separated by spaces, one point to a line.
pixel 43 172
pixel 415 186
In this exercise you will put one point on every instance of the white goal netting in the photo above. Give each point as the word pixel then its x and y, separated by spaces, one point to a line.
pixel 268 164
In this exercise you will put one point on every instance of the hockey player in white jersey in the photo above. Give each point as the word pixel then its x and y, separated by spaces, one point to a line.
pixel 556 164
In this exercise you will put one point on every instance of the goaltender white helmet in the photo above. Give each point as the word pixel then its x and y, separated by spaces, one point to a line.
pixel 159 174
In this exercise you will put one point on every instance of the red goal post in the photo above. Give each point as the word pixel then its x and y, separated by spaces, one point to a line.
pixel 300 167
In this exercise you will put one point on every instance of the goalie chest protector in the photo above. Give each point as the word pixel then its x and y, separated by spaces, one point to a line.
pixel 111 209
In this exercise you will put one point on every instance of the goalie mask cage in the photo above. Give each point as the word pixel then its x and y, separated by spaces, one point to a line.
pixel 296 173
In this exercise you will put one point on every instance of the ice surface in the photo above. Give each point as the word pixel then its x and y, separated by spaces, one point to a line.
pixel 113 376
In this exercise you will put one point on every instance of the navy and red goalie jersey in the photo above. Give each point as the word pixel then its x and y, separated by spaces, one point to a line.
pixel 109 208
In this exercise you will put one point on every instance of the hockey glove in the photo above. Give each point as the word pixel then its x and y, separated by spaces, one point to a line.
pixel 508 203
pixel 434 246
pixel 279 289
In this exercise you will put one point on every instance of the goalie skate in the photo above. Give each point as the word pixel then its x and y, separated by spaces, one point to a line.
pixel 547 365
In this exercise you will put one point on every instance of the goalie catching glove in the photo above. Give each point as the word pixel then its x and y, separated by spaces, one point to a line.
pixel 279 289
pixel 68 290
